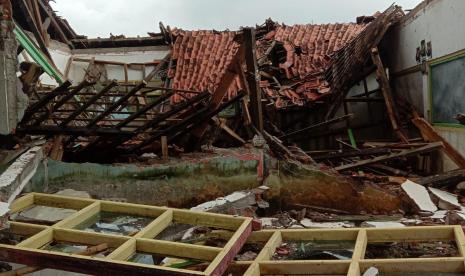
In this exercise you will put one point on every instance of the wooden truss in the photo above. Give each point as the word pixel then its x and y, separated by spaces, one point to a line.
pixel 31 250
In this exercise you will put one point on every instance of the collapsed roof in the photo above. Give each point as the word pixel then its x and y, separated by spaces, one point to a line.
pixel 205 73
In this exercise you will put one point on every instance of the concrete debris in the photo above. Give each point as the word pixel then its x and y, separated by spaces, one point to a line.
pixel 441 214
pixel 237 203
pixel 307 223
pixel 16 176
pixel 269 222
pixel 446 200
pixel 372 271
pixel 419 196
pixel 43 215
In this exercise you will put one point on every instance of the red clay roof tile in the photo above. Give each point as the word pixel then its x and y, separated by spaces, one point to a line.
pixel 201 59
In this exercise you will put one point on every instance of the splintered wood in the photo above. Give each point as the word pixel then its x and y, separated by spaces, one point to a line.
pixel 36 250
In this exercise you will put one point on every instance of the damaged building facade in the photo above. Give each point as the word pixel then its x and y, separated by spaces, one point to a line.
pixel 316 149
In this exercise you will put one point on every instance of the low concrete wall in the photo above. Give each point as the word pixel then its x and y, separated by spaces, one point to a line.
pixel 178 184
pixel 189 183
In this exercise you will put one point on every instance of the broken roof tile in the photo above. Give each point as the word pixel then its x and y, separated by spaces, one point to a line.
pixel 201 60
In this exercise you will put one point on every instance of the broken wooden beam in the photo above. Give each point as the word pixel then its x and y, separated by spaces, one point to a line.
pixel 387 94
pixel 404 153
pixel 55 24
pixel 430 135
pixel 120 102
pixel 33 27
pixel 353 153
pixel 219 93
pixel 444 179
pixel 61 102
pixel 89 102
pixel 145 109
pixel 44 101
pixel 321 124
pixel 90 251
pixel 253 78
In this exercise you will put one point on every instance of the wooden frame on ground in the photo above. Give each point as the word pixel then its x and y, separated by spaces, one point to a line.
pixel 31 250
pixel 357 264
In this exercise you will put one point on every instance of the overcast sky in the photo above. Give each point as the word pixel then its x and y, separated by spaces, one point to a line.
pixel 99 18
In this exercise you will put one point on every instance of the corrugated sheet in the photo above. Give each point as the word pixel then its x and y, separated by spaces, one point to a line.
pixel 201 59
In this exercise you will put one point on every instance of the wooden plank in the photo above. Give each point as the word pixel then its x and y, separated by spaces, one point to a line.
pixel 88 238
pixel 418 265
pixel 164 147
pixel 460 239
pixel 270 247
pixel 220 264
pixel 124 252
pixel 88 103
pixel 429 134
pixel 56 152
pixel 25 229
pixel 85 264
pixel 58 201
pixel 420 233
pixel 65 99
pixel 33 27
pixel 80 216
pixel 177 249
pixel 120 103
pixel 38 240
pixel 22 203
pixel 311 267
pixel 157 226
pixel 319 234
pixel 55 24
pixel 444 179
pixel 253 78
pixel 30 269
pixel 207 219
pixel 253 270
pixel 132 209
pixel 221 91
pixel 404 153
pixel 387 94
pixel 359 253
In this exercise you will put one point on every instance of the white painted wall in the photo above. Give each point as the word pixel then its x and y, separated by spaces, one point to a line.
pixel 441 22
pixel 126 55
pixel 61 54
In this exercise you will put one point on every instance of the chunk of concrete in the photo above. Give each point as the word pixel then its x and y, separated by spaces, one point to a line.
pixel 307 223
pixel 18 174
pixel 372 271
pixel 419 196
pixel 441 214
pixel 43 214
pixel 446 200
